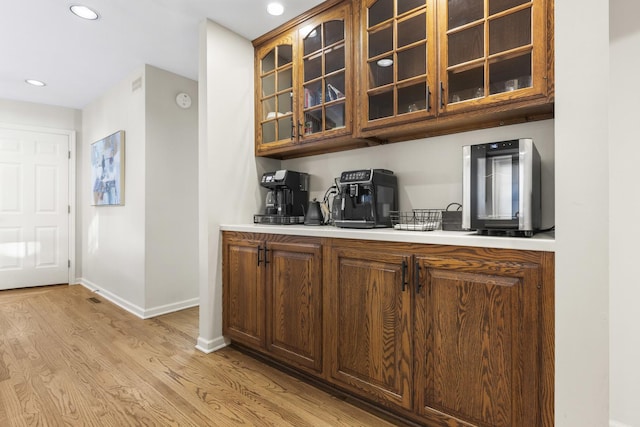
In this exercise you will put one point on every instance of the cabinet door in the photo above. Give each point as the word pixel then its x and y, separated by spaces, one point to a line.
pixel 478 342
pixel 326 79
pixel 294 303
pixel 243 292
pixel 275 94
pixel 369 321
pixel 491 51
pixel 398 62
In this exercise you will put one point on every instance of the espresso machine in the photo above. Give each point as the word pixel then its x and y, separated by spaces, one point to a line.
pixel 287 198
pixel 365 199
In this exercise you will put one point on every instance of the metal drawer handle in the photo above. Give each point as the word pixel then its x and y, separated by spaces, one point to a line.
pixel 404 275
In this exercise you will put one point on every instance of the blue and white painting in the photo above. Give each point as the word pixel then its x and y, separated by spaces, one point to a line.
pixel 107 170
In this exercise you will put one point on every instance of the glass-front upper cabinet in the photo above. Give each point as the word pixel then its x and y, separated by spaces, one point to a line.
pixel 323 77
pixel 491 51
pixel 399 62
pixel 303 84
pixel 275 93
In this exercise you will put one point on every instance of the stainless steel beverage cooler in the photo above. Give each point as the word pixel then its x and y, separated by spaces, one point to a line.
pixel 501 188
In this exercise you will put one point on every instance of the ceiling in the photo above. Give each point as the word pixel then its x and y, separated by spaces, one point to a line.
pixel 79 60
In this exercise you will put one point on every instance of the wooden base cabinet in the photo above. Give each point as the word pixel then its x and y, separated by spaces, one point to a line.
pixel 244 291
pixel 439 335
pixel 272 292
pixel 478 338
pixel 449 335
pixel 370 333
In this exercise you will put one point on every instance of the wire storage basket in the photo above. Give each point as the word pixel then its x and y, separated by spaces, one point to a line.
pixel 417 219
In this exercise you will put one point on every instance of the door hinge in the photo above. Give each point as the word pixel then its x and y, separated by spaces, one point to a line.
pixel 68 208
pixel 69 263
pixel 69 154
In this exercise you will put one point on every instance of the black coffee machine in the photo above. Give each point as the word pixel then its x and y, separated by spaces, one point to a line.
pixel 365 199
pixel 287 198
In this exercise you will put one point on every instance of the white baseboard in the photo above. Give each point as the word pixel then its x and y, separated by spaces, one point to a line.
pixel 170 308
pixel 613 423
pixel 120 302
pixel 209 346
pixel 134 309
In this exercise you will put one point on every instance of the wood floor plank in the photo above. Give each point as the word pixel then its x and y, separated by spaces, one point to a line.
pixel 11 413
pixel 116 379
pixel 65 360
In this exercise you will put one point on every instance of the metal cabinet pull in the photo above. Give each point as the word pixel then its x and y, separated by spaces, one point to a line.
pixel 266 255
pixel 259 249
pixel 428 99
pixel 404 275
pixel 441 95
pixel 416 277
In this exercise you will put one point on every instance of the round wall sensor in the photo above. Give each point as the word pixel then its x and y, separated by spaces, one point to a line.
pixel 183 100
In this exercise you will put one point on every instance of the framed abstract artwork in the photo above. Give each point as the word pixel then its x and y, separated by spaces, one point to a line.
pixel 107 170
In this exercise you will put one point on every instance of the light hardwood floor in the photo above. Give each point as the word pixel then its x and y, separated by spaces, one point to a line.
pixel 65 360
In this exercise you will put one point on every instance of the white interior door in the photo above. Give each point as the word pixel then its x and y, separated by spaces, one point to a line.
pixel 34 208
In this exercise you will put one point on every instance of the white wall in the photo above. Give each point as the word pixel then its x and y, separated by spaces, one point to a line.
pixel 228 171
pixel 171 191
pixel 113 237
pixel 624 152
pixel 582 217
pixel 430 170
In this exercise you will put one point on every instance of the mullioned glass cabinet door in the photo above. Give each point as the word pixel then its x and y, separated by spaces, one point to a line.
pixel 399 59
pixel 325 94
pixel 303 83
pixel 275 94
pixel 491 50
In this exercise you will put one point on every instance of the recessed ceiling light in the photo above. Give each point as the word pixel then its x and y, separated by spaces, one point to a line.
pixel 275 9
pixel 385 62
pixel 83 12
pixel 35 82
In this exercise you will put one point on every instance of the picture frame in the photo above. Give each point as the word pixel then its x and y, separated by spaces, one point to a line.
pixel 107 170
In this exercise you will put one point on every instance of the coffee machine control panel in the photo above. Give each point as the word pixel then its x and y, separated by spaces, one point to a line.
pixel 362 175
pixel 285 179
pixel 355 176
pixel 275 177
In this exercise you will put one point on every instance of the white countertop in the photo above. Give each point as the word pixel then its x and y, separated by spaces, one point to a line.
pixel 539 242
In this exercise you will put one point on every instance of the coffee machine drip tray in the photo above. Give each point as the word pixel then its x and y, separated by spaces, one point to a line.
pixel 278 219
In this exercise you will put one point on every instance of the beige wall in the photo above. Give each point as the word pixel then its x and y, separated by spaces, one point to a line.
pixel 113 237
pixel 30 114
pixel 582 217
pixel 171 190
pixel 624 204
pixel 143 255
pixel 229 190
pixel 430 170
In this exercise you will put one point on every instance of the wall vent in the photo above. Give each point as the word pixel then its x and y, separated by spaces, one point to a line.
pixel 136 84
